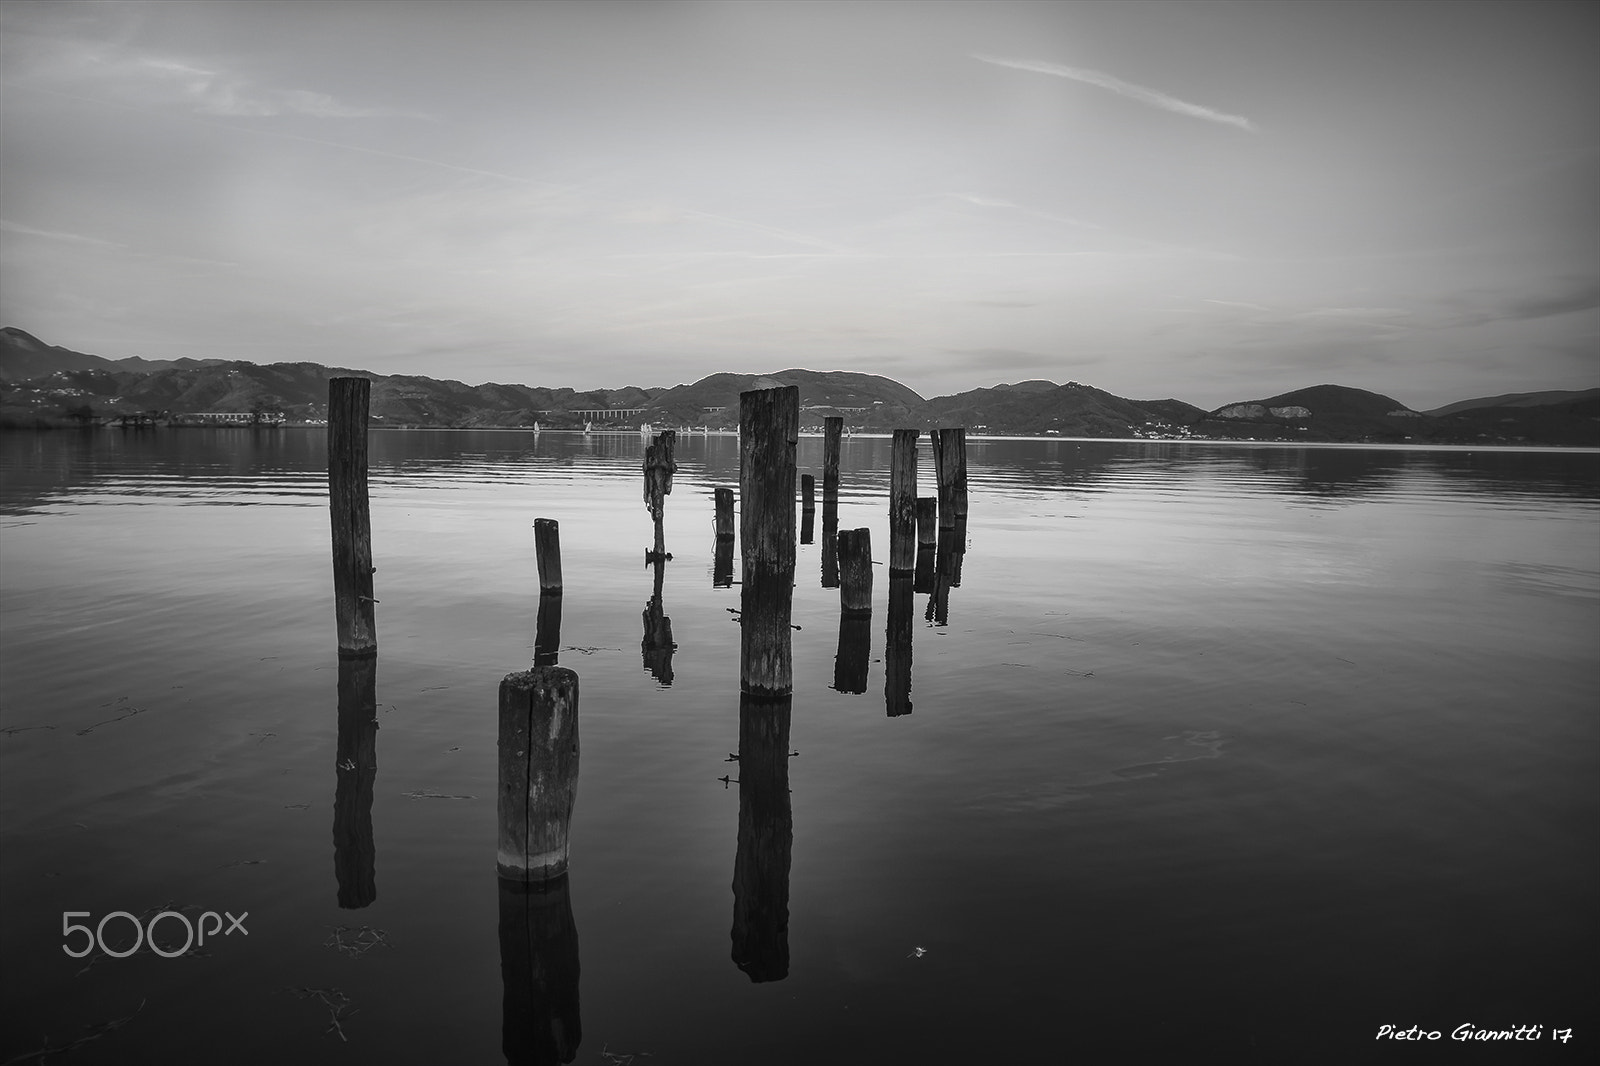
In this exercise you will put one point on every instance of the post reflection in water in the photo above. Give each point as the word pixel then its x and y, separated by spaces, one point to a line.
pixel 766 839
pixel 356 768
pixel 897 646
pixel 547 631
pixel 830 546
pixel 722 564
pixel 657 646
pixel 540 1020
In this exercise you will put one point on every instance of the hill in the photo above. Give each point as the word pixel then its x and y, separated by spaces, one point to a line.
pixel 1318 413
pixel 24 356
pixel 1070 410
pixel 1517 399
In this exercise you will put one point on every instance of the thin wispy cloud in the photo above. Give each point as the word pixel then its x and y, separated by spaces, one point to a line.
pixel 1144 95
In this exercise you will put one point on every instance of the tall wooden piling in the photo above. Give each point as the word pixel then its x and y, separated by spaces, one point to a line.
pixel 538 781
pixel 659 466
pixel 724 513
pixel 356 768
pixel 830 548
pixel 769 422
pixel 348 400
pixel 547 630
pixel 832 433
pixel 950 470
pixel 927 522
pixel 761 864
pixel 540 1020
pixel 855 570
pixel 903 501
pixel 547 552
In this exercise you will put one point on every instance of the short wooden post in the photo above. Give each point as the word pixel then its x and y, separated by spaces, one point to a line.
pixel 354 853
pixel 769 422
pixel 808 506
pixel 547 551
pixel 724 513
pixel 538 782
pixel 832 432
pixel 950 468
pixel 352 522
pixel 855 570
pixel 540 1021
pixel 854 656
pixel 766 840
pixel 903 501
pixel 897 647
pixel 927 522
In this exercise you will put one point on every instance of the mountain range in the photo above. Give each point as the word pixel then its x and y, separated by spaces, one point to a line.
pixel 43 385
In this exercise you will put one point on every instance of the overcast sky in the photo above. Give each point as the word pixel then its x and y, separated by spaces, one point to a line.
pixel 1212 201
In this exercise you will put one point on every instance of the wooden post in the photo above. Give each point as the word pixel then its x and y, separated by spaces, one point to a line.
pixel 959 481
pixel 659 466
pixel 808 506
pixel 832 431
pixel 547 550
pixel 547 630
pixel 352 521
pixel 927 522
pixel 540 1021
pixel 950 467
pixel 538 772
pixel 724 513
pixel 766 840
pixel 897 647
pixel 769 421
pixel 855 571
pixel 354 854
pixel 830 548
pixel 722 563
pixel 903 502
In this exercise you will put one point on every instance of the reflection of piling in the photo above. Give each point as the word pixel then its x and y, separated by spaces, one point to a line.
pixel 855 570
pixel 769 421
pixel 808 506
pixel 547 631
pixel 352 521
pixel 830 549
pixel 540 1020
pixel 766 840
pixel 538 779
pixel 657 646
pixel 722 564
pixel 950 469
pixel 724 513
pixel 897 647
pixel 851 660
pixel 903 501
pixel 927 522
pixel 354 853
pixel 547 552
pixel 659 467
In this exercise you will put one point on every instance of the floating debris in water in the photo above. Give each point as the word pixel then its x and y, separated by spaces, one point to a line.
pixel 337 1002
pixel 423 794
pixel 90 729
pixel 91 1032
pixel 356 941
pixel 917 953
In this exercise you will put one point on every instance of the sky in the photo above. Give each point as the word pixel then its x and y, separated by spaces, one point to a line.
pixel 1213 201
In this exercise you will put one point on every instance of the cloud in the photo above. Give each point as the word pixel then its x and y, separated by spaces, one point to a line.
pixel 1584 298
pixel 1122 88
pixel 1017 358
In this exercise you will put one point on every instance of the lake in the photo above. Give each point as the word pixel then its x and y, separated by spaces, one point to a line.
pixel 1229 753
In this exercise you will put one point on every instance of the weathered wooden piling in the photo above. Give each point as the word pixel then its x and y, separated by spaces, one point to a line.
pixel 830 548
pixel 855 570
pixel 540 1021
pixel 897 647
pixel 659 466
pixel 761 863
pixel 950 471
pixel 927 522
pixel 538 780
pixel 808 506
pixel 854 655
pixel 547 552
pixel 722 563
pixel 724 513
pixel 832 434
pixel 769 421
pixel 352 522
pixel 903 501
pixel 356 768
pixel 657 645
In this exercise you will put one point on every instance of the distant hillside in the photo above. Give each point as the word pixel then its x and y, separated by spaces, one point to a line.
pixel 1518 399
pixel 1070 410
pixel 1318 413
pixel 24 356
pixel 863 400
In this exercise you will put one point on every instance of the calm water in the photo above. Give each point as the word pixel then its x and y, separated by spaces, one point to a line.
pixel 1224 752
